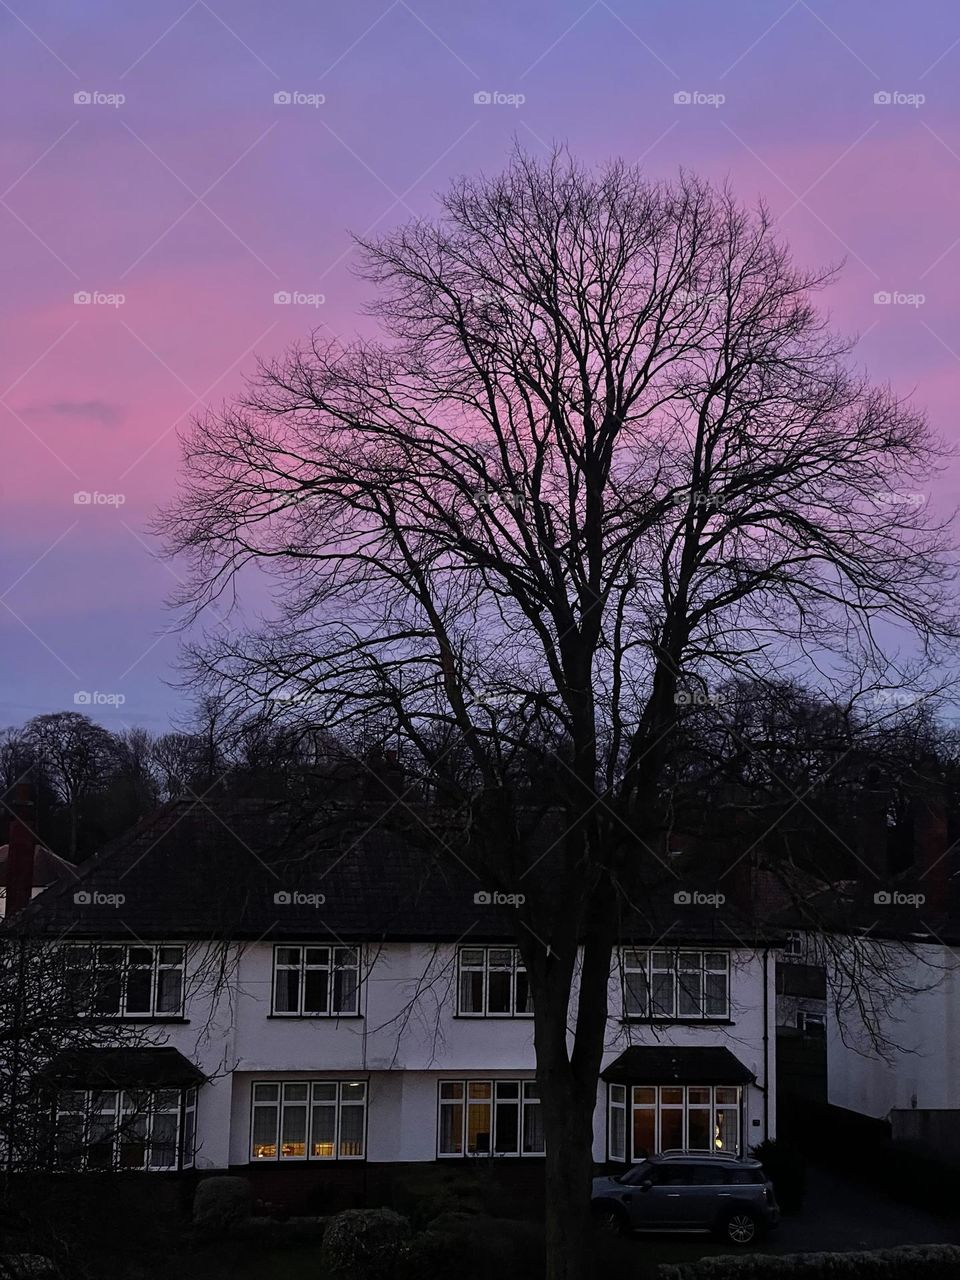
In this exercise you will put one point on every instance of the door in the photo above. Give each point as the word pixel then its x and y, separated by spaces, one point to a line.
pixel 666 1202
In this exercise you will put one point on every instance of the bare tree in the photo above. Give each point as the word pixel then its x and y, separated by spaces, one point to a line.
pixel 76 755
pixel 606 452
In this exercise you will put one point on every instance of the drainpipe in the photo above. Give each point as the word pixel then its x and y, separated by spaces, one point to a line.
pixel 766 1045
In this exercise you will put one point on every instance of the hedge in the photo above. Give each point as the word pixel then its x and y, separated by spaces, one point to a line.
pixel 905 1262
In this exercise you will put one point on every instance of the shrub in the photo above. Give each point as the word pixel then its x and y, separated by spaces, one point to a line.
pixel 906 1262
pixel 365 1244
pixel 26 1266
pixel 221 1202
pixel 425 1196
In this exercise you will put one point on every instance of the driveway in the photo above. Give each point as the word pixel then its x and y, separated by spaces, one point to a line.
pixel 837 1215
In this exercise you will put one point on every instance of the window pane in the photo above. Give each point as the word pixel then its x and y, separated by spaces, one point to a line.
pixel 635 995
pixel 698 1129
pixel 715 960
pixel 662 995
pixel 317 956
pixel 169 990
pixel 171 955
pixel 189 1128
pixel 163 1141
pixel 315 986
pixel 293 1138
pixel 501 957
pixel 644 1132
pixel 295 1092
pixel 524 1002
pixel 471 992
pixel 727 1134
pixel 133 1142
pixel 451 1128
pixel 498 991
pixel 325 1091
pixel 618 1133
pixel 688 995
pixel 671 1096
pixel 618 1093
pixel 698 1097
pixel 472 956
pixel 345 988
pixel 644 1095
pixel 478 1128
pixel 507 1117
pixel 138 991
pixel 532 1129
pixel 716 994
pixel 266 1092
pixel 287 991
pixel 451 1089
pixel 264 1145
pixel 324 1134
pixel 351 1131
pixel 671 1129
pixel 479 1089
pixel 353 1090
pixel 727 1096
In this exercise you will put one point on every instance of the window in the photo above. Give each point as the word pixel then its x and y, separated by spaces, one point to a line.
pixel 492 983
pixel 671 1118
pixel 127 981
pixel 795 947
pixel 309 1120
pixel 489 1117
pixel 316 981
pixel 150 1130
pixel 676 985
pixel 812 1024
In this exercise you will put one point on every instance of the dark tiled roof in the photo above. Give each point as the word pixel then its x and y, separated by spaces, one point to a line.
pixel 663 1064
pixel 160 1068
pixel 221 870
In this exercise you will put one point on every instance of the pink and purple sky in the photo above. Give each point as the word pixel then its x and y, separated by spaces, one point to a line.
pixel 181 185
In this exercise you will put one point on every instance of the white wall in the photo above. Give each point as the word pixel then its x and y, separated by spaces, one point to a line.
pixel 406 1039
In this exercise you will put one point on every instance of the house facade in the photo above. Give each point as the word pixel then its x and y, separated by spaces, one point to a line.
pixel 372 1012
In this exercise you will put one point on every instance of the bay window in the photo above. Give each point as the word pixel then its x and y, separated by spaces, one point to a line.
pixel 672 1117
pixel 148 1130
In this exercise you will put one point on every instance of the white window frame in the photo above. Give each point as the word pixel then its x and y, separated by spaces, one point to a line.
pixel 795 947
pixel 725 1100
pixel 93 971
pixel 807 1018
pixel 336 962
pixel 527 1099
pixel 123 1108
pixel 348 1095
pixel 641 966
pixel 485 966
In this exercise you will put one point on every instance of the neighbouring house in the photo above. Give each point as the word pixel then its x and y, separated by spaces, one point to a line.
pixel 24 861
pixel 325 1004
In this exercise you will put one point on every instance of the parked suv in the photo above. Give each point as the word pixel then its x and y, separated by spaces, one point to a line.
pixel 689 1191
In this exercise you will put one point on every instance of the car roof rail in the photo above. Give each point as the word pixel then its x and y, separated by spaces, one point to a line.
pixel 698 1155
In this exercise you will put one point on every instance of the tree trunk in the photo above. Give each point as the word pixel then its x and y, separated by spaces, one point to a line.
pixel 568 1136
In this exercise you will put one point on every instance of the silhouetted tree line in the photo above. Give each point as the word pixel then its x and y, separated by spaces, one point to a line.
pixel 753 761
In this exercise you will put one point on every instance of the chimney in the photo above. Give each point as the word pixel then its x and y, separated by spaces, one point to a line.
pixel 21 843
pixel 931 843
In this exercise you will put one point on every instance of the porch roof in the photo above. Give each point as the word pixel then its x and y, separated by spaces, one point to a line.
pixel 667 1064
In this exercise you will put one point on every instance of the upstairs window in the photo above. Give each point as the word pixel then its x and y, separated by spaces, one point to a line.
pixel 127 981
pixel 492 983
pixel 676 985
pixel 316 981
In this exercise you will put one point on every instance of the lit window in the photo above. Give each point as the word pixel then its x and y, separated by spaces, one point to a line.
pixel 316 981
pixel 489 1117
pixel 309 1120
pixel 493 983
pixel 672 1118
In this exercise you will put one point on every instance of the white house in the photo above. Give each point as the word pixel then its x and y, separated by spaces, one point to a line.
pixel 311 1021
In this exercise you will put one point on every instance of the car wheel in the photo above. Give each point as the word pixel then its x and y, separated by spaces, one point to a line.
pixel 610 1220
pixel 740 1228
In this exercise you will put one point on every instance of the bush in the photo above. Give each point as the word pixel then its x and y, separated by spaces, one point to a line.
pixel 786 1168
pixel 425 1196
pixel 907 1262
pixel 26 1266
pixel 365 1244
pixel 221 1202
